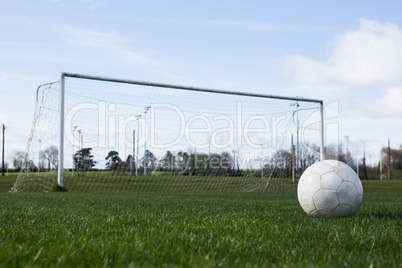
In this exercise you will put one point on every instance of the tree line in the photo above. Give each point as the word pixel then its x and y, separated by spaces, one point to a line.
pixel 186 163
pixel 190 163
pixel 48 160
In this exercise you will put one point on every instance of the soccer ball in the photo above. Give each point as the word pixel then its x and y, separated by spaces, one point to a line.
pixel 330 188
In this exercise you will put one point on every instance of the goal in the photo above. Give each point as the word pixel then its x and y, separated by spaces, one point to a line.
pixel 94 133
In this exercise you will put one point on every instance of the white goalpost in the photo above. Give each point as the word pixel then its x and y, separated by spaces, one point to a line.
pixel 60 170
pixel 188 138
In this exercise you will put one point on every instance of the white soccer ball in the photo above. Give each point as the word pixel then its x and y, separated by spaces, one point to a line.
pixel 330 188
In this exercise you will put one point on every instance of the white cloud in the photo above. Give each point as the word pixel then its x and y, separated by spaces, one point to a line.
pixel 238 25
pixel 87 38
pixel 128 55
pixel 92 4
pixel 388 105
pixel 254 26
pixel 19 79
pixel 109 41
pixel 372 53
pixel 3 118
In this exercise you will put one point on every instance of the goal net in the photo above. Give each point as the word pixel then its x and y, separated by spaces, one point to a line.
pixel 99 134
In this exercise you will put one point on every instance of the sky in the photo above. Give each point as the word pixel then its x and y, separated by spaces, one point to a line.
pixel 347 53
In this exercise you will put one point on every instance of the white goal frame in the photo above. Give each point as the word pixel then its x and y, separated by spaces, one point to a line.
pixel 142 83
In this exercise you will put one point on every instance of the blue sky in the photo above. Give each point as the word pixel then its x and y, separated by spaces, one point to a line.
pixel 347 52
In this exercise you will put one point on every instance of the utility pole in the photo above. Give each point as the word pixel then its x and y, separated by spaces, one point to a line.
pixel 293 161
pixel 79 151
pixel 297 141
pixel 234 160
pixel 347 149
pixel 209 144
pixel 2 169
pixel 82 150
pixel 145 158
pixel 133 159
pixel 145 142
pixel 389 160
pixel 262 160
pixel 364 166
pixel 72 170
pixel 357 167
pixel 40 141
pixel 297 105
pixel 138 141
pixel 380 168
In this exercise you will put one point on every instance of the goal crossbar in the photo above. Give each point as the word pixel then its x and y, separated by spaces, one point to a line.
pixel 151 84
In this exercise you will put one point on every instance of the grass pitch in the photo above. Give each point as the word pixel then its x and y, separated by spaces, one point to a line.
pixel 193 230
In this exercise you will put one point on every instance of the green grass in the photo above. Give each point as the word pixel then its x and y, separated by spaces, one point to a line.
pixel 194 230
pixel 7 182
pixel 104 181
pixel 382 186
pixel 100 181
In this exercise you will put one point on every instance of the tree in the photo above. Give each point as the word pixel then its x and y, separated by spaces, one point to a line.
pixel 168 161
pixel 50 155
pixel 201 164
pixel 336 152
pixel 183 159
pixel 282 161
pixel 396 161
pixel 5 167
pixel 308 155
pixel 396 157
pixel 113 160
pixel 149 159
pixel 222 164
pixel 226 159
pixel 19 160
pixel 83 159
pixel 22 163
pixel 130 164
